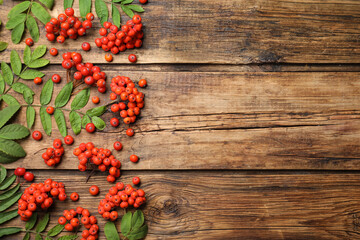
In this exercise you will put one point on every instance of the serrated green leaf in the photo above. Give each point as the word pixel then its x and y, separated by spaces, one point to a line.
pixel 19 87
pixel 64 95
pixel 4 159
pixel 28 96
pixel 9 202
pixel 97 111
pixel 136 8
pixel 7 182
pixel 7 73
pixel 98 122
pixel 3 172
pixel 30 116
pixel 85 7
pixel 16 20
pixel 110 231
pixel 19 8
pixel 138 233
pixel 33 27
pixel 9 231
pixel 75 122
pixel 3 46
pixel 60 121
pixel 9 192
pixel 40 13
pixel 15 62
pixel 30 74
pixel 137 219
pixel 38 52
pixel 68 237
pixel 38 237
pixel 2 84
pixel 7 216
pixel 7 113
pixel 48 3
pixel 40 227
pixel 81 99
pixel 11 148
pixel 126 1
pixel 17 33
pixel 26 236
pixel 38 63
pixel 115 14
pixel 101 10
pixel 126 223
pixel 127 10
pixel 45 120
pixel 46 92
pixel 31 223
pixel 10 100
pixel 14 131
pixel 68 4
pixel 27 54
pixel 116 1
pixel 56 230
pixel 85 120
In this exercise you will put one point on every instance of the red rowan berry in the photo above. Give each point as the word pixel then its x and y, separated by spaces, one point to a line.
pixel 95 99
pixel 37 80
pixel 136 180
pixel 20 171
pixel 29 42
pixel 90 127
pixel 50 110
pixel 28 176
pixel 94 190
pixel 117 145
pixel 86 46
pixel 114 122
pixel 36 135
pixel 130 132
pixel 56 78
pixel 134 158
pixel 108 57
pixel 132 58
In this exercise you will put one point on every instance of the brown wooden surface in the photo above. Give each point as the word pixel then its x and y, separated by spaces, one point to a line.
pixel 230 149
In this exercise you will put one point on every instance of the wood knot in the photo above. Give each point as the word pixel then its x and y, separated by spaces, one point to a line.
pixel 171 206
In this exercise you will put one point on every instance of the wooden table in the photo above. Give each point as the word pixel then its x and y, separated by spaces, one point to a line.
pixel 251 126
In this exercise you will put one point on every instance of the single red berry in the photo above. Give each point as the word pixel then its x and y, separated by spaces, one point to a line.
pixel 136 19
pixel 68 140
pixel 29 42
pixel 132 58
pixel 56 78
pixel 36 135
pixel 20 171
pixel 95 99
pixel 67 64
pixel 130 132
pixel 50 110
pixel 60 39
pixel 94 190
pixel 142 83
pixel 74 196
pixel 57 143
pixel 86 46
pixel 90 16
pixel 37 80
pixel 107 25
pixel 87 24
pixel 90 127
pixel 114 122
pixel 69 12
pixel 134 158
pixel 62 220
pixel 53 51
pixel 117 145
pixel 136 180
pixel 115 107
pixel 108 57
pixel 28 176
pixel 143 1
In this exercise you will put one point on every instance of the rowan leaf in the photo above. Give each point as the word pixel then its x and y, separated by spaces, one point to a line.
pixel 75 122
pixel 56 230
pixel 7 182
pixel 40 227
pixel 4 158
pixel 11 148
pixel 48 3
pixel 38 63
pixel 7 113
pixel 40 12
pixel 46 92
pixel 14 131
pixel 136 8
pixel 15 61
pixel 30 116
pixel 101 10
pixel 64 95
pixel 98 122
pixel 38 52
pixel 7 73
pixel 68 4
pixel 31 223
pixel 2 84
pixel 126 223
pixel 115 14
pixel 97 111
pixel 85 120
pixel 3 172
pixel 3 46
pixel 110 231
pixel 127 10
pixel 85 7
pixel 137 219
pixel 27 55
pixel 9 202
pixel 9 231
pixel 138 233
pixel 60 121
pixel 30 74
pixel 33 27
pixel 17 33
pixel 7 216
pixel 16 20
pixel 10 100
pixel 19 8
pixel 81 99
pixel 9 192
pixel 45 120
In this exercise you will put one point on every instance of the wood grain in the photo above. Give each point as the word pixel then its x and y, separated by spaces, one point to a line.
pixel 234 32
pixel 232 205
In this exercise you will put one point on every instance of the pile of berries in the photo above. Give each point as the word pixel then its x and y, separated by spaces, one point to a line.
pixel 21 172
pixel 92 74
pixel 125 88
pixel 119 196
pixel 73 218
pixel 67 26
pixel 38 196
pixel 118 40
pixel 89 154
pixel 52 156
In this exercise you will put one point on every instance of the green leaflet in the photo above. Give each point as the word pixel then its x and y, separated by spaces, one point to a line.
pixel 40 12
pixel 60 121
pixel 27 55
pixel 38 52
pixel 28 96
pixel 136 8
pixel 40 227
pixel 7 73
pixel 101 10
pixel 68 3
pixel 26 236
pixel 9 202
pixel 7 182
pixel 19 8
pixel 11 148
pixel 75 122
pixel 126 223
pixel 31 223
pixel 9 192
pixel 138 233
pixel 57 229
pixel 68 237
pixel 7 113
pixel 45 120
pixel 4 158
pixel 48 3
pixel 14 131
pixel 38 63
pixel 10 100
pixel 2 84
pixel 15 62
pixel 115 14
pixel 97 111
pixel 25 90
pixel 30 116
pixel 13 22
pixel 17 33
pixel 30 74
pixel 98 122
pixel 81 99
pixel 38 237
pixel 3 172
pixel 137 219
pixel 127 10
pixel 7 216
pixel 64 95
pixel 85 120
pixel 3 46
pixel 132 226
pixel 9 231
pixel 85 7
pixel 110 231
pixel 126 1
pixel 33 27
pixel 46 92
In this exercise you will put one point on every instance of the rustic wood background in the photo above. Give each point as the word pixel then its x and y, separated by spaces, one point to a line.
pixel 252 120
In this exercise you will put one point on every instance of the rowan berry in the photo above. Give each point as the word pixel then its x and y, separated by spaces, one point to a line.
pixel 19 171
pixel 67 64
pixel 86 46
pixel 108 57
pixel 28 176
pixel 90 127
pixel 110 178
pixel 57 143
pixel 69 12
pixel 60 39
pixel 95 99
pixel 56 78
pixel 62 196
pixel 69 227
pixel 114 122
pixel 136 19
pixel 132 58
pixel 113 96
pixel 142 83
pixel 37 80
pixel 130 132
pixel 117 145
pixel 78 76
pixel 134 158
pixel 143 1
pixel 29 42
pixel 115 107
pixel 89 80
pixel 102 31
pixel 62 221
pixel 36 135
pixel 50 110
pixel 94 190
pixel 68 140
pixel 90 16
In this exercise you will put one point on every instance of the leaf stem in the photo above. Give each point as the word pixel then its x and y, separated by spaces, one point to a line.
pixel 42 234
pixel 17 79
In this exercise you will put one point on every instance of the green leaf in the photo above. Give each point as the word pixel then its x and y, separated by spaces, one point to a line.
pixel 68 237
pixel 126 223
pixel 14 131
pixel 75 122
pixel 60 121
pixel 15 62
pixel 9 202
pixel 19 87
pixel 40 227
pixel 2 84
pixel 30 116
pixel 19 8
pixel 137 219
pixel 101 10
pixel 9 231
pixel 7 113
pixel 38 63
pixel 115 14
pixel 17 33
pixel 3 46
pixel 138 233
pixel 45 120
pixel 46 92
pixel 30 74
pixel 16 20
pixel 85 7
pixel 81 99
pixel 48 3
pixel 7 73
pixel 56 230
pixel 127 10
pixel 38 237
pixel 9 192
pixel 26 236
pixel 28 96
pixel 85 120
pixel 3 172
pixel 110 231
pixel 11 148
pixel 97 111
pixel 126 1
pixel 7 216
pixel 40 12
pixel 31 223
pixel 10 100
pixel 38 52
pixel 136 8
pixel 64 95
pixel 33 27
pixel 27 55
pixel 4 158
pixel 98 122
pixel 68 3
pixel 7 182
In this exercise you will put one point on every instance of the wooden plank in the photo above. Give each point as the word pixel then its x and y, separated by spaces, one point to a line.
pixel 234 32
pixel 232 205
pixel 231 120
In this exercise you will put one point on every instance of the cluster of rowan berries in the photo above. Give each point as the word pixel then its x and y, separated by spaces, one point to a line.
pixel 21 172
pixel 38 196
pixel 89 154
pixel 71 221
pixel 67 26
pixel 119 196
pixel 118 40
pixel 92 74
pixel 52 156
pixel 125 88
